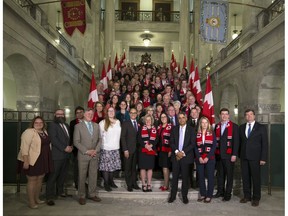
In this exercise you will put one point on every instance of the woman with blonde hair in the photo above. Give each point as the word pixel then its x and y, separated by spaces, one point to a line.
pixel 147 138
pixel 35 158
pixel 109 161
pixel 205 158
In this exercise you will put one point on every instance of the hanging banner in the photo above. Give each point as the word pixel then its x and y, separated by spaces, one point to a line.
pixel 74 15
pixel 214 21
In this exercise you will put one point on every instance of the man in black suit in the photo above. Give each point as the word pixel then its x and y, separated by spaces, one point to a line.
pixel 129 147
pixel 227 136
pixel 172 115
pixel 253 155
pixel 182 142
pixel 79 114
pixel 59 132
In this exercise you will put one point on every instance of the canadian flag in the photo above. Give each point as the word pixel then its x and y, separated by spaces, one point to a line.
pixel 173 63
pixel 109 70
pixel 208 106
pixel 184 62
pixel 104 77
pixel 122 63
pixel 93 95
pixel 116 67
pixel 194 83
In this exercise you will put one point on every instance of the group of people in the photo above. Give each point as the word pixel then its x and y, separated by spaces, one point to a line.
pixel 147 116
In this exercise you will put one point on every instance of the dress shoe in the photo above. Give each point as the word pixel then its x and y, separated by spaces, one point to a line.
pixel 129 189
pixel 107 187
pixel 207 200
pixel 200 199
pixel 136 187
pixel 113 185
pixel 255 203
pixel 245 200
pixel 171 200
pixel 63 195
pixel 95 199
pixel 226 198
pixel 217 195
pixel 50 202
pixel 82 201
pixel 185 200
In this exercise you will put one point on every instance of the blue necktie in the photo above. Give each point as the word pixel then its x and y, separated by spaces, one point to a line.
pixel 249 130
pixel 90 128
pixel 181 139
pixel 135 125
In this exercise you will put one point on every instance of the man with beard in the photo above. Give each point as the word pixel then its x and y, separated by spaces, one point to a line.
pixel 60 140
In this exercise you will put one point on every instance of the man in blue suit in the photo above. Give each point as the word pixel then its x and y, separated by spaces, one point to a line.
pixel 253 155
pixel 182 142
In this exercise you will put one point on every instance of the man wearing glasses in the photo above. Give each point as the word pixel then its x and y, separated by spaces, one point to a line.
pixel 129 147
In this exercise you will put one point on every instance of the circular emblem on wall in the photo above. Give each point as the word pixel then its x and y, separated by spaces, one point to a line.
pixel 213 21
pixel 74 13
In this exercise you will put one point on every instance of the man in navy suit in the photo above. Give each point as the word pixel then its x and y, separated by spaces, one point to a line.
pixel 172 115
pixel 60 139
pixel 182 142
pixel 253 155
pixel 129 147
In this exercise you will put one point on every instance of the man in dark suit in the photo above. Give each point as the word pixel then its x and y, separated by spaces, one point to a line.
pixel 253 155
pixel 227 136
pixel 87 139
pixel 194 123
pixel 129 147
pixel 59 132
pixel 79 114
pixel 172 115
pixel 182 142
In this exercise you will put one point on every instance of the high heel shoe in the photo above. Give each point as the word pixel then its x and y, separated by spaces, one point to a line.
pixel 40 202
pixel 144 188
pixel 33 206
pixel 207 200
pixel 149 188
pixel 200 199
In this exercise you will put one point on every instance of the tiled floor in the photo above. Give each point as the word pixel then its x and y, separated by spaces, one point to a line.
pixel 16 204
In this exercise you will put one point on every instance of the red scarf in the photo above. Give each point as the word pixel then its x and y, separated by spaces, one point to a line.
pixel 205 148
pixel 164 134
pixel 146 102
pixel 149 139
pixel 229 127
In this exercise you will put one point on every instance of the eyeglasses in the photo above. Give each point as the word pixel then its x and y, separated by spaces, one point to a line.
pixel 133 113
pixel 79 112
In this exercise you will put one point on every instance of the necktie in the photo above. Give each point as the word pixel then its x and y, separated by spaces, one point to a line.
pixel 65 129
pixel 135 125
pixel 172 122
pixel 90 128
pixel 181 138
pixel 194 122
pixel 223 127
pixel 249 130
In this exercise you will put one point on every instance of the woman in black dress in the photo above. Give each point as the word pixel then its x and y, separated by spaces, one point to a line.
pixel 164 149
pixel 147 138
pixel 35 159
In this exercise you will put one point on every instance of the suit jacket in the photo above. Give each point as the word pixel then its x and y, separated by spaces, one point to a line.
pixel 129 137
pixel 176 120
pixel 188 145
pixel 256 146
pixel 235 142
pixel 59 140
pixel 194 126
pixel 83 140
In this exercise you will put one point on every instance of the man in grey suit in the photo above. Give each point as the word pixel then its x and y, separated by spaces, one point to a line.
pixel 87 140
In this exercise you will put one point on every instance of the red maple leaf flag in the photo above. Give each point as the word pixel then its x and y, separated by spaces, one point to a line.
pixel 116 63
pixel 93 95
pixel 194 83
pixel 109 70
pixel 122 63
pixel 184 62
pixel 104 78
pixel 172 63
pixel 208 106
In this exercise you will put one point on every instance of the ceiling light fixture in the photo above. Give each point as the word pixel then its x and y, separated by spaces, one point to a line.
pixel 235 35
pixel 146 41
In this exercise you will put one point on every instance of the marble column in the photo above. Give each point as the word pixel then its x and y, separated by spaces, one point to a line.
pixel 184 32
pixel 109 29
pixel 196 34
pixel 96 16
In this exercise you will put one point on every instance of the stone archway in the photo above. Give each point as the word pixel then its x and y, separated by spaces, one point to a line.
pixel 21 86
pixel 66 100
pixel 271 89
pixel 229 99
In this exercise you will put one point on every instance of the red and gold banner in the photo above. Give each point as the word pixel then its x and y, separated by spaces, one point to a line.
pixel 73 15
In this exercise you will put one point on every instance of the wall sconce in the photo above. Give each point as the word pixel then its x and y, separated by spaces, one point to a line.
pixel 58 21
pixel 146 41
pixel 235 35
pixel 236 109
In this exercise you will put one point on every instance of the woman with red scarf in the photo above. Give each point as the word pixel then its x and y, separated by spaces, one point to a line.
pixel 164 149
pixel 98 112
pixel 147 138
pixel 205 158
